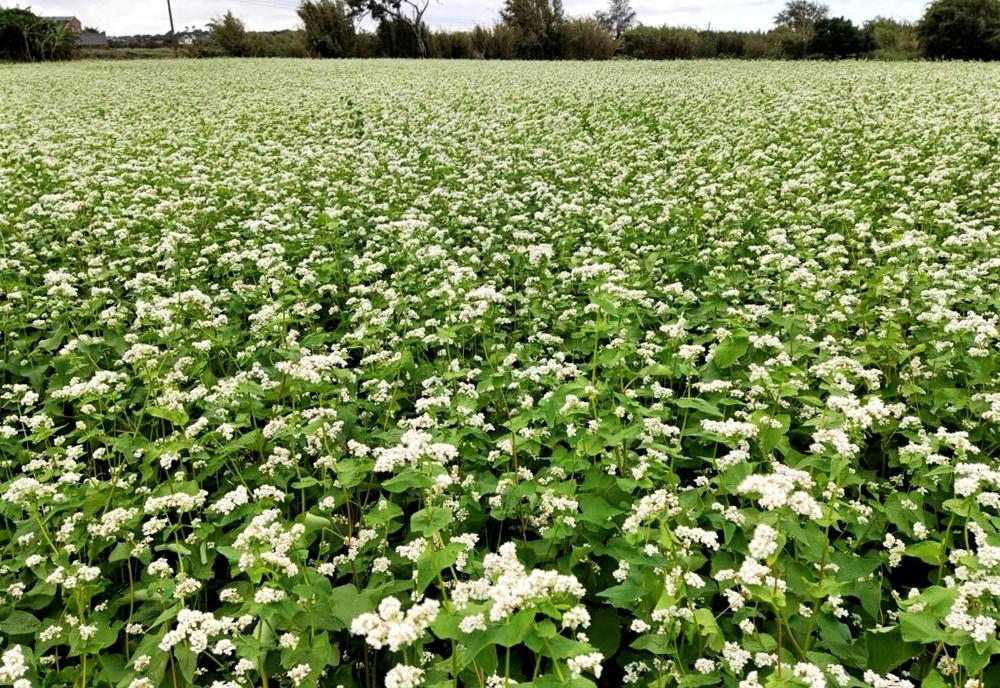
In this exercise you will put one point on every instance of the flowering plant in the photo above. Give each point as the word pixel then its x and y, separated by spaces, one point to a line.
pixel 491 374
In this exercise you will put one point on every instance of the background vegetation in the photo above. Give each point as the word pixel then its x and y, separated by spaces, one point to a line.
pixel 540 29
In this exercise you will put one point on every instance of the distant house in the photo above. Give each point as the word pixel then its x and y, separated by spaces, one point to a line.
pixel 92 39
pixel 185 39
pixel 72 22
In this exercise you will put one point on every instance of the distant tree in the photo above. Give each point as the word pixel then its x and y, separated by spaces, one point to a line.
pixel 329 30
pixel 480 41
pixel 503 42
pixel 618 18
pixel 837 37
pixel 892 38
pixel 961 30
pixel 539 25
pixel 799 17
pixel 230 35
pixel 588 39
pixel 286 43
pixel 661 43
pixel 26 37
pixel 409 13
pixel 398 40
pixel 450 45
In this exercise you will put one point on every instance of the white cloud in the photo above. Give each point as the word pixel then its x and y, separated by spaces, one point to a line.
pixel 150 16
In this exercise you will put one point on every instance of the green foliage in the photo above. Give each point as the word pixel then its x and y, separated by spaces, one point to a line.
pixel 329 30
pixel 452 45
pixel 230 35
pixel 661 43
pixel 587 39
pixel 671 43
pixel 277 43
pixel 618 18
pixel 395 16
pixel 538 25
pixel 892 39
pixel 961 30
pixel 26 37
pixel 398 39
pixel 837 37
pixel 798 18
pixel 801 16
pixel 496 43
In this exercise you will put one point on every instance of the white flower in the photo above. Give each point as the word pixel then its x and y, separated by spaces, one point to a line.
pixel 704 666
pixel 587 662
pixel 298 673
pixel 764 542
pixel 12 664
pixel 404 676
pixel 576 617
pixel 391 627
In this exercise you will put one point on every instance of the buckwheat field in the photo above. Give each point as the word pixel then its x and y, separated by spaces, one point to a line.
pixel 406 374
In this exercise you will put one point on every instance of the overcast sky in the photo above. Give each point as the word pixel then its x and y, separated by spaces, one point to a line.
pixel 119 17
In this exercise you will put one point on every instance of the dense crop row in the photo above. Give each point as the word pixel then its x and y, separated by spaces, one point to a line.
pixel 399 374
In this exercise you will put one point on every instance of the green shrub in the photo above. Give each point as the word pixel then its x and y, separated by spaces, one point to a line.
pixel 587 39
pixel 26 37
pixel 961 30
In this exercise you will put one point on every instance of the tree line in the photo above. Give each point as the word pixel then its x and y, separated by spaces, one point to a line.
pixel 540 29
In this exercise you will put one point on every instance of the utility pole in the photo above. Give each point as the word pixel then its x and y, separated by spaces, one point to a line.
pixel 173 34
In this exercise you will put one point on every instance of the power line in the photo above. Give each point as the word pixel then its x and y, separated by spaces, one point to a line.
pixel 291 5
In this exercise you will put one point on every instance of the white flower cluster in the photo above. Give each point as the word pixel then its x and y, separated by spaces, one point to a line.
pixel 404 676
pixel 13 667
pixel 764 542
pixel 266 540
pixel 659 502
pixel 27 492
pixel 391 627
pixel 413 446
pixel 508 586
pixel 111 522
pixel 198 628
pixel 590 662
pixel 312 367
pixel 784 487
pixel 731 429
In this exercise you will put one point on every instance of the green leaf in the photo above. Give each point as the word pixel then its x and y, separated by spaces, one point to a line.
pixel 655 643
pixel 974 659
pixel 624 596
pixel 729 351
pixel 596 510
pixel 187 662
pixel 695 680
pixel 348 604
pixel 174 416
pixel 919 627
pixel 698 404
pixel 928 552
pixel 886 651
pixel 605 630
pixel 20 623
pixel 933 680
pixel 431 520
pixel 709 628
pixel 432 563
pixel 513 631
pixel 408 479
